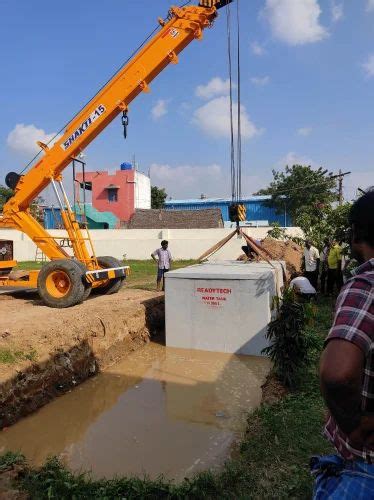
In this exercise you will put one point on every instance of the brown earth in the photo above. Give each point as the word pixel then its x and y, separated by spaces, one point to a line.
pixel 288 251
pixel 66 346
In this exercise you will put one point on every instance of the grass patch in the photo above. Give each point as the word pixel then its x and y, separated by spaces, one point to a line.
pixel 143 272
pixel 272 461
pixel 9 357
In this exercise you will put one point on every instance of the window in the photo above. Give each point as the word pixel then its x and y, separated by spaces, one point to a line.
pixel 112 195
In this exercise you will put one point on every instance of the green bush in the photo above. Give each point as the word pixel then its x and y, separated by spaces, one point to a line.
pixel 291 348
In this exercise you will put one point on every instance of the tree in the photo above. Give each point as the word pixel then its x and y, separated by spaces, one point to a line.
pixel 331 223
pixel 300 190
pixel 37 210
pixel 5 194
pixel 158 197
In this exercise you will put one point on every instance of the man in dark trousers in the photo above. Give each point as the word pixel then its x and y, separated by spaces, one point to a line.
pixel 324 265
pixel 311 263
pixel 347 373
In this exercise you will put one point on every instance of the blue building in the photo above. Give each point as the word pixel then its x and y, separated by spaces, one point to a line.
pixel 258 213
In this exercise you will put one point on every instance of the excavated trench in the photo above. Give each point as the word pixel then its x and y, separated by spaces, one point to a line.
pixel 150 410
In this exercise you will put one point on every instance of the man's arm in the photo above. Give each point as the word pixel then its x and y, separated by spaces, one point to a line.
pixel 153 255
pixel 341 369
pixel 343 362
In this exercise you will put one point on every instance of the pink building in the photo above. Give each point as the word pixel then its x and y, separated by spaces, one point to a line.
pixel 120 192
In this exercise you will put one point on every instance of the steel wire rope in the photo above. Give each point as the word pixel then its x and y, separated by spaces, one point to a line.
pixel 239 133
pixel 232 148
pixel 100 89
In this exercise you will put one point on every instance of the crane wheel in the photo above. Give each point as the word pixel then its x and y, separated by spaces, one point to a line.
pixel 87 286
pixel 109 287
pixel 60 283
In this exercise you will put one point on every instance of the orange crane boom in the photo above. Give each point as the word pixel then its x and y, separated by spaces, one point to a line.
pixel 183 25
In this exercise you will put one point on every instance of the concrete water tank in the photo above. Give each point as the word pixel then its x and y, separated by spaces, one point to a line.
pixel 222 306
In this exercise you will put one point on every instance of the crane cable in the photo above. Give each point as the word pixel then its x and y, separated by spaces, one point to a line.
pixel 235 157
pixel 232 147
pixel 239 137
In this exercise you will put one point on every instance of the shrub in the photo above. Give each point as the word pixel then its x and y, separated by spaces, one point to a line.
pixel 290 346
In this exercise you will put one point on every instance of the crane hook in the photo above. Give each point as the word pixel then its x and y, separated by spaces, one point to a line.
pixel 125 123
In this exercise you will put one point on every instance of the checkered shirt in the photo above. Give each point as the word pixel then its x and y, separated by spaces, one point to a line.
pixel 354 321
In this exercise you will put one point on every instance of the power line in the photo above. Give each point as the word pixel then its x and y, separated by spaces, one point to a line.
pixel 320 183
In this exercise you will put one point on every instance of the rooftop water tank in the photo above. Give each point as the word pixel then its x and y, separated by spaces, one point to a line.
pixel 126 165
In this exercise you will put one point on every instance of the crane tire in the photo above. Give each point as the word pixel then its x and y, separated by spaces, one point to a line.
pixel 87 285
pixel 109 286
pixel 60 283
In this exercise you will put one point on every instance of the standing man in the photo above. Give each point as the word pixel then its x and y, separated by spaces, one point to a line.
pixel 347 373
pixel 164 260
pixel 324 266
pixel 311 263
pixel 334 264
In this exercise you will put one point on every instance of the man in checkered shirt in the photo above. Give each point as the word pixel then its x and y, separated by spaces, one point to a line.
pixel 347 373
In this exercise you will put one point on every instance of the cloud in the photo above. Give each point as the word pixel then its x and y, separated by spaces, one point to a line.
pixel 190 181
pixel 337 11
pixel 293 158
pixel 295 22
pixel 159 109
pixel 215 87
pixel 369 66
pixel 260 81
pixel 22 139
pixel 257 49
pixel 369 5
pixel 304 131
pixel 213 118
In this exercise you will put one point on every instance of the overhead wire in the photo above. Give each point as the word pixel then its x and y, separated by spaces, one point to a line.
pixel 321 183
pixel 97 93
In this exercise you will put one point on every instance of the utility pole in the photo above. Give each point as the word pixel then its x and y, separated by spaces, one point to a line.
pixel 340 185
pixel 340 188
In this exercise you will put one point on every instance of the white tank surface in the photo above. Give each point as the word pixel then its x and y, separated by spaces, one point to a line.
pixel 222 306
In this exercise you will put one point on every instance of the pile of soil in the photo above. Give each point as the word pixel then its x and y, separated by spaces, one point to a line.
pixel 288 251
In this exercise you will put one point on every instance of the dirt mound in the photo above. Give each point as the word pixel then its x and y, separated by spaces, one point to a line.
pixel 288 251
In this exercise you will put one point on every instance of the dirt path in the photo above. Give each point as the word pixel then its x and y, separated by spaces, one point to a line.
pixel 44 351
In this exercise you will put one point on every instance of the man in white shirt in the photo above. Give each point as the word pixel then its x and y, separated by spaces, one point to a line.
pixel 311 263
pixel 164 260
pixel 302 286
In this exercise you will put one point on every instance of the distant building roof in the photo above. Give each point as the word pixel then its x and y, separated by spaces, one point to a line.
pixel 176 219
pixel 204 201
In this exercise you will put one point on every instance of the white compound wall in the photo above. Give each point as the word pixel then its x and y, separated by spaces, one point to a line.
pixel 140 243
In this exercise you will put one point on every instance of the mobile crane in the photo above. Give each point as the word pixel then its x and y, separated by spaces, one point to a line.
pixel 67 280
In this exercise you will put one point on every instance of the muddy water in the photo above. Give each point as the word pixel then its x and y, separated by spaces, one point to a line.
pixel 161 411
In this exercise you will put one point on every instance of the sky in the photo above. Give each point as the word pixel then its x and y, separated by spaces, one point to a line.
pixel 307 90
